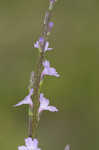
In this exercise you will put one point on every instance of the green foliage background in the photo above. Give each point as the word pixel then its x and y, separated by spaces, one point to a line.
pixel 76 56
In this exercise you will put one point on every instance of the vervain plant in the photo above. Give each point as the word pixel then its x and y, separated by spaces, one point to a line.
pixel 36 100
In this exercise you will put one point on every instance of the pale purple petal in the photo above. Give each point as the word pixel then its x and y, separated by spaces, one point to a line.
pixel 22 148
pixel 41 40
pixel 26 100
pixel 51 24
pixel 44 72
pixel 31 92
pixel 31 144
pixel 35 143
pixel 52 108
pixel 36 45
pixel 39 43
pixel 28 142
pixel 46 64
pixel 47 47
pixel 44 104
pixel 43 101
pixel 38 149
pixel 49 70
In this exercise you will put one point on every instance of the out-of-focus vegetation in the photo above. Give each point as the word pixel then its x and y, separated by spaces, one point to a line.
pixel 76 56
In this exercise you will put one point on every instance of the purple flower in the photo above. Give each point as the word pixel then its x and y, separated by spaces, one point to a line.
pixel 30 144
pixel 41 40
pixel 44 104
pixel 40 43
pixel 26 100
pixel 49 70
pixel 50 26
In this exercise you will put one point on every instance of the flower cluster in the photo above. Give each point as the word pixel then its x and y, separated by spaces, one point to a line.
pixel 29 144
pixel 40 43
pixel 44 103
pixel 33 145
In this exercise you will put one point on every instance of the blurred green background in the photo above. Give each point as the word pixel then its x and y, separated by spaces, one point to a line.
pixel 75 39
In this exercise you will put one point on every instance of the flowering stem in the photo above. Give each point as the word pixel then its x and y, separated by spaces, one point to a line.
pixel 34 121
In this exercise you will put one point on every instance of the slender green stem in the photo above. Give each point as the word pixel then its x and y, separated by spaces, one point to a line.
pixel 30 122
